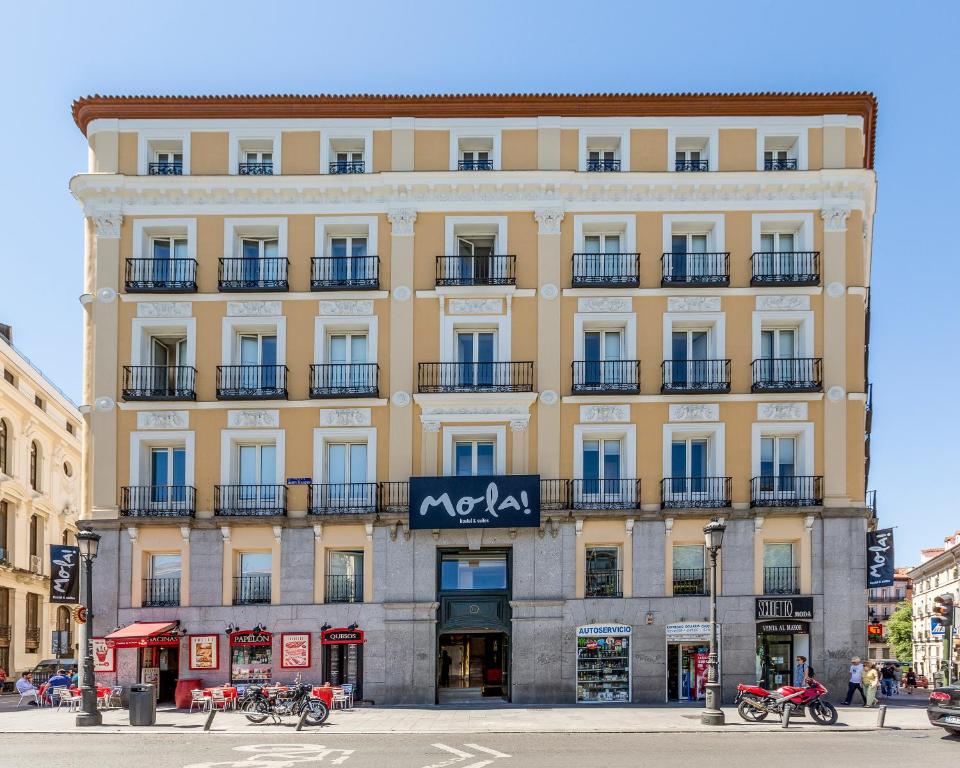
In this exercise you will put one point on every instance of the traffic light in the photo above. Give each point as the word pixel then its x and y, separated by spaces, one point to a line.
pixel 943 611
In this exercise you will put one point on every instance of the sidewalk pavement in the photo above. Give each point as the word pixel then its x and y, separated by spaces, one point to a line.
pixel 500 719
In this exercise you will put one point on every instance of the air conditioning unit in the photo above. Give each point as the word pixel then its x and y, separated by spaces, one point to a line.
pixel 36 564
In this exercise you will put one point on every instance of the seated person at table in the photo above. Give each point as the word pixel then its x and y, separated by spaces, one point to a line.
pixel 25 687
pixel 59 680
pixel 74 677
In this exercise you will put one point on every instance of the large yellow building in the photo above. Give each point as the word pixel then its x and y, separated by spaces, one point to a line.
pixel 657 306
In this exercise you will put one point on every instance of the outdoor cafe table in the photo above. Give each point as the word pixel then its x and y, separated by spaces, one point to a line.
pixel 229 691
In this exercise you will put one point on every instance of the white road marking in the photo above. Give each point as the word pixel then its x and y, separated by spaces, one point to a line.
pixel 460 756
pixel 489 751
pixel 279 756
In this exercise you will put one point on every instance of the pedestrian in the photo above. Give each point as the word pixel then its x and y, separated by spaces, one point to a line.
pixel 856 681
pixel 871 678
pixel 888 680
pixel 800 671
pixel 911 680
pixel 3 678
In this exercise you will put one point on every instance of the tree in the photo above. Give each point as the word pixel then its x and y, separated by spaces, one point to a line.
pixel 900 632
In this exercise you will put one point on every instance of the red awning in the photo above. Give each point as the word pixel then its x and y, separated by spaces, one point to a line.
pixel 142 633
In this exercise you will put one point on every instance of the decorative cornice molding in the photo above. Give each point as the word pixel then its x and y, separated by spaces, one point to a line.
pixel 835 218
pixel 163 419
pixel 605 304
pixel 604 414
pixel 402 220
pixel 345 417
pixel 693 304
pixel 346 307
pixel 695 412
pixel 253 418
pixel 549 220
pixel 164 309
pixel 254 308
pixel 781 411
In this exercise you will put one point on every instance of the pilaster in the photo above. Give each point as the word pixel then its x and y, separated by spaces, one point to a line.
pixel 549 373
pixel 520 446
pixel 401 342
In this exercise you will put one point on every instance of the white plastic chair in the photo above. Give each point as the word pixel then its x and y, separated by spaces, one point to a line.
pixel 199 700
pixel 339 699
pixel 348 690
pixel 27 695
pixel 66 697
pixel 115 699
pixel 217 699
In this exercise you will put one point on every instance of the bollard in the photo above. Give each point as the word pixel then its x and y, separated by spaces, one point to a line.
pixel 303 718
pixel 785 720
pixel 209 722
pixel 881 715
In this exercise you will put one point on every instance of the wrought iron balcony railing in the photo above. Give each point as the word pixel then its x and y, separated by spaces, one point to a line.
pixel 781 580
pixel 251 382
pixel 343 589
pixel 475 377
pixel 692 165
pixel 252 590
pixel 343 499
pixel 159 593
pixel 695 376
pixel 794 374
pixel 243 274
pixel 476 270
pixel 606 376
pixel 554 494
pixel 606 270
pixel 695 492
pixel 786 491
pixel 165 169
pixel 475 165
pixel 785 268
pixel 31 636
pixel 161 276
pixel 613 493
pixel 690 581
pixel 344 380
pixel 347 166
pixel 602 166
pixel 602 584
pixel 5 632
pixel 695 270
pixel 334 273
pixel 393 497
pixel 158 500
pixel 250 500
pixel 782 164
pixel 256 169
pixel 159 382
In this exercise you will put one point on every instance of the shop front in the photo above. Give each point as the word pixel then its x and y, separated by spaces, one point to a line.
pixel 342 651
pixel 251 656
pixel 783 633
pixel 603 664
pixel 688 650
pixel 158 653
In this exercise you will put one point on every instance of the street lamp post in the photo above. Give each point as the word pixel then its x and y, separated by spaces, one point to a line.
pixel 88 542
pixel 712 714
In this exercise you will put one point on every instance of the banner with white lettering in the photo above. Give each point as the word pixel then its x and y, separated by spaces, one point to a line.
pixel 880 558
pixel 488 501
pixel 64 574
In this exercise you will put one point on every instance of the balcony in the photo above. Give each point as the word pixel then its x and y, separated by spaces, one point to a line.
pixel 347 166
pixel 603 166
pixel 31 636
pixel 161 593
pixel 606 270
pixel 781 580
pixel 344 380
pixel 695 270
pixel 786 491
pixel 243 274
pixel 343 499
pixel 614 493
pixel 256 169
pixel 475 165
pixel 695 492
pixel 251 590
pixel 690 581
pixel 476 270
pixel 337 273
pixel 475 377
pixel 606 377
pixel 794 374
pixel 691 165
pixel 157 501
pixel 343 589
pixel 161 276
pixel 250 500
pixel 165 169
pixel 394 497
pixel 251 382
pixel 695 376
pixel 554 495
pixel 602 584
pixel 785 268
pixel 781 164
pixel 5 632
pixel 159 382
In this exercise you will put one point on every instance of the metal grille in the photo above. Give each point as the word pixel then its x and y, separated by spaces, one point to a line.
pixel 344 589
pixel 476 377
pixel 253 274
pixel 344 380
pixel 251 382
pixel 602 376
pixel 335 272
pixel 785 268
pixel 157 501
pixel 161 275
pixel 159 382
pixel 786 491
pixel 696 269
pixel 613 493
pixel 795 374
pixel 695 492
pixel 161 592
pixel 251 590
pixel 343 498
pixel 250 500
pixel 696 376
pixel 476 270
pixel 606 270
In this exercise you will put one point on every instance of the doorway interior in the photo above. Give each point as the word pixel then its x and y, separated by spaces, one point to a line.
pixel 473 667
pixel 161 666
pixel 686 671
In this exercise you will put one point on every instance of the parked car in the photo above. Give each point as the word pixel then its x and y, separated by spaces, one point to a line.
pixel 943 708
pixel 48 668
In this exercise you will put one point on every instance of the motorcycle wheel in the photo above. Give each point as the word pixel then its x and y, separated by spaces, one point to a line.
pixel 256 710
pixel 749 713
pixel 318 712
pixel 823 712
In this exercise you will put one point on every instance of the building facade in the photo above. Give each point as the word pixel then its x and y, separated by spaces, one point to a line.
pixel 647 311
pixel 39 505
pixel 937 574
pixel 882 602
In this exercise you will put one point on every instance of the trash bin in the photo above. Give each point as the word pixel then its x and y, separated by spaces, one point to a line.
pixel 143 705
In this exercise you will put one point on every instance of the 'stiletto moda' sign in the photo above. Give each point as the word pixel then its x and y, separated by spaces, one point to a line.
pixel 880 558
pixel 492 501
pixel 784 608
pixel 64 574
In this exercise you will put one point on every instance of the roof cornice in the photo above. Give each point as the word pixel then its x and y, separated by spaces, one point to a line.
pixel 460 105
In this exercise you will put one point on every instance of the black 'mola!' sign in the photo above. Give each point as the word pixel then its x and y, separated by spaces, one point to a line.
pixel 486 501
pixel 64 574
pixel 880 558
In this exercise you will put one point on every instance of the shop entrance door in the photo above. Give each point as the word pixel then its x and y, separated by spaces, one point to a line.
pixel 776 656
pixel 686 671
pixel 343 665
pixel 473 667
pixel 162 668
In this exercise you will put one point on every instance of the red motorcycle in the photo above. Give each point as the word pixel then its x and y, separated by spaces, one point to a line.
pixel 755 703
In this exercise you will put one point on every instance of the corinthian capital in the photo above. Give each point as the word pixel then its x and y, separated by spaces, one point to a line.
pixel 402 220
pixel 834 218
pixel 549 220
pixel 107 223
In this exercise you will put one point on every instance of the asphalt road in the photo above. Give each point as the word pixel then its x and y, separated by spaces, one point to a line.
pixel 718 750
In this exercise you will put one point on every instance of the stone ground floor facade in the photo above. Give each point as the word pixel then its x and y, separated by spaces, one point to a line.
pixel 531 628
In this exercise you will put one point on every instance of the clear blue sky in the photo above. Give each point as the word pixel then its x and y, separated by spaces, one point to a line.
pixel 55 51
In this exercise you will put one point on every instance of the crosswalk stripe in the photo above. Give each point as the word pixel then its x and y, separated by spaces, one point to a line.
pixel 487 750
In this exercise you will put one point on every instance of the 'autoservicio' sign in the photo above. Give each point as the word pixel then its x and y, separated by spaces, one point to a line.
pixel 485 501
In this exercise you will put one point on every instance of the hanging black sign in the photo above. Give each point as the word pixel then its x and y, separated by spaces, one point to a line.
pixel 493 501
pixel 880 558
pixel 784 608
pixel 64 574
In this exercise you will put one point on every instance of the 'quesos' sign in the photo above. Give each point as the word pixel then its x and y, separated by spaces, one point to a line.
pixel 494 501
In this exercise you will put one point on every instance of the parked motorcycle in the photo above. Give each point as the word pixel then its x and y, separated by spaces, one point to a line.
pixel 754 703
pixel 257 704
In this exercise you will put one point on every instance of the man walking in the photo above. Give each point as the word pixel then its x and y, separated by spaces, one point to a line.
pixel 800 672
pixel 856 681
pixel 886 680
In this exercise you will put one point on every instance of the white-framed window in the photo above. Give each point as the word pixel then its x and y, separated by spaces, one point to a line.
pixel 346 248
pixel 164 251
pixel 605 154
pixel 693 247
pixel 473 457
pixel 782 336
pixel 604 459
pixel 163 460
pixel 347 153
pixel 780 571
pixel 474 450
pixel 689 569
pixel 163 152
pixel 344 456
pixel 782 452
pixel 693 462
pixel 254 151
pixel 602 571
pixel 692 149
pixel 693 349
pixel 781 148
pixel 474 149
pixel 256 159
